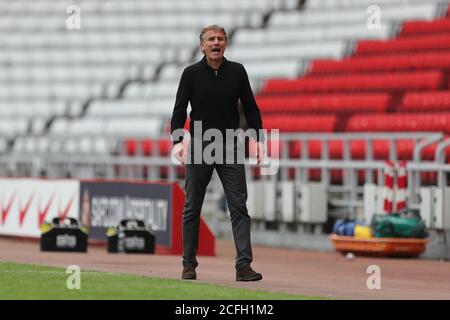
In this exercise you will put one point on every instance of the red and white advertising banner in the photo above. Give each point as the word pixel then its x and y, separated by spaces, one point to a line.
pixel 26 203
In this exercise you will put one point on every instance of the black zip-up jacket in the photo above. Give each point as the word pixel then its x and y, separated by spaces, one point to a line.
pixel 214 96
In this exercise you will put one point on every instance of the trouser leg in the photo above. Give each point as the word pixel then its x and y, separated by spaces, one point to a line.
pixel 233 180
pixel 198 177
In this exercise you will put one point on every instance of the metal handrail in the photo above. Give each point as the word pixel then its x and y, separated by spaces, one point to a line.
pixel 424 143
pixel 59 163
pixel 439 152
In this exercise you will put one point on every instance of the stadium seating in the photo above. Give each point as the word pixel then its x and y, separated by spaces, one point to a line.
pixel 330 103
pixel 31 109
pixel 49 70
pixel 397 62
pixel 282 35
pixel 412 28
pixel 314 67
pixel 244 53
pixel 131 107
pixel 425 101
pixel 333 4
pixel 147 147
pixel 431 42
pixel 3 145
pixel 358 148
pixel 13 126
pixel 60 145
pixel 393 82
pixel 439 122
pixel 300 123
pixel 416 10
pixel 122 126
pixel 387 85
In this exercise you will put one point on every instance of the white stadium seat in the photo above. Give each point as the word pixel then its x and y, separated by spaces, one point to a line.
pixel 3 145
pixel 37 125
pixel 285 68
pixel 46 6
pixel 13 126
pixel 31 144
pixel 32 108
pixel 321 17
pixel 329 4
pixel 283 35
pixel 131 107
pixel 87 126
pixel 325 49
pixel 150 127
pixel 162 89
pixel 171 72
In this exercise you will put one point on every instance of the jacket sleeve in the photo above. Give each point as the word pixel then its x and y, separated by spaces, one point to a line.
pixel 249 107
pixel 179 113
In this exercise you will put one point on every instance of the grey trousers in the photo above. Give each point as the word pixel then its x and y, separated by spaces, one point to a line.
pixel 232 177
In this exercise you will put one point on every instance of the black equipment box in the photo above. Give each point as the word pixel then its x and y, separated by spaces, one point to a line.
pixel 131 236
pixel 64 235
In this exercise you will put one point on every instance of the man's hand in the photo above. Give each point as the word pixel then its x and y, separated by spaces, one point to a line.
pixel 178 151
pixel 259 152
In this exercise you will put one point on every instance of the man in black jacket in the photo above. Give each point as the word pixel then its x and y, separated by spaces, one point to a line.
pixel 214 86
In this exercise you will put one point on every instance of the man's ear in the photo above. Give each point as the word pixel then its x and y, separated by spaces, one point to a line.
pixel 201 49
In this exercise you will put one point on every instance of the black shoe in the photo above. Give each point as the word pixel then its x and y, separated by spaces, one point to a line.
pixel 189 273
pixel 247 274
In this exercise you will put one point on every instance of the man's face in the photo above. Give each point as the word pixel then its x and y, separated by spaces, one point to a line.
pixel 213 44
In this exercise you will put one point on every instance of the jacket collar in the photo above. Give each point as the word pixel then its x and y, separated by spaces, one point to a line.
pixel 203 61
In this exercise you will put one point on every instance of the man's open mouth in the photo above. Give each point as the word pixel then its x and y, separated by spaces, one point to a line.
pixel 215 50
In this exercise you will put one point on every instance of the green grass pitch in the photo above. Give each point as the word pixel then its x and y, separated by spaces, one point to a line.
pixel 27 281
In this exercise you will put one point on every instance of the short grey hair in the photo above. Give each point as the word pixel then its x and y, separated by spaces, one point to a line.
pixel 213 27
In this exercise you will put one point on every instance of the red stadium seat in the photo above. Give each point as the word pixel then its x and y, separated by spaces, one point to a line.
pixel 425 101
pixel 398 62
pixel 410 44
pixel 130 146
pixel 358 149
pixel 431 122
pixel 332 103
pixel 404 150
pixel 419 27
pixel 147 145
pixel 134 147
pixel 315 149
pixel 393 82
pixel 336 175
pixel 164 147
pixel 303 123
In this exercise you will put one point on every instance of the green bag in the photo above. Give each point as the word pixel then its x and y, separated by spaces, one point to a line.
pixel 399 225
